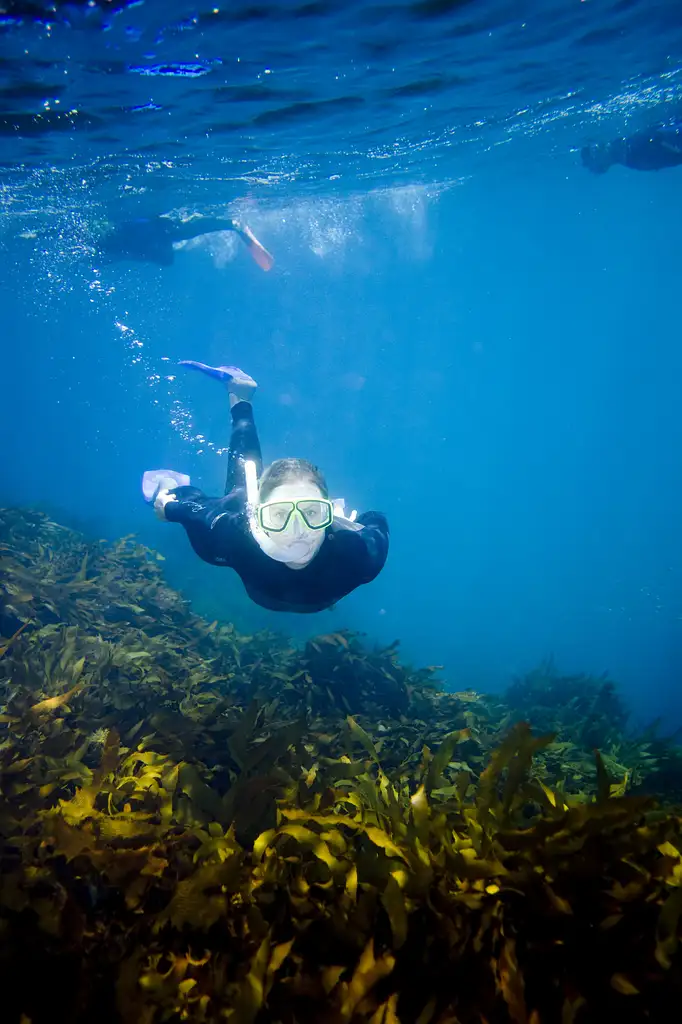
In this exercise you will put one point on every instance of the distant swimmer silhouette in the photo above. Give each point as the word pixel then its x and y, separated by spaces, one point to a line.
pixel 294 549
pixel 151 239
pixel 652 149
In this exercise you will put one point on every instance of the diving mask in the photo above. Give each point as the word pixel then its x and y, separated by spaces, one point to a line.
pixel 277 516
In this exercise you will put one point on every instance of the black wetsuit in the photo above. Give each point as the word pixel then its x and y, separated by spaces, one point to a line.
pixel 650 150
pixel 218 530
pixel 150 239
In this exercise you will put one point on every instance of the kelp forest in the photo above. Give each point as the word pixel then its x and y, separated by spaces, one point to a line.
pixel 203 826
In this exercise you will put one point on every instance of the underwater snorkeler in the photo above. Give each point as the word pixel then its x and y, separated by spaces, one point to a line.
pixel 151 239
pixel 294 548
pixel 650 150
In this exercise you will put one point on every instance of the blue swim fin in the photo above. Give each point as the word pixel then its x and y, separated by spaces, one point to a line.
pixel 240 384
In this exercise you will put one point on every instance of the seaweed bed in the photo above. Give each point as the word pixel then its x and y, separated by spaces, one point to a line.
pixel 197 825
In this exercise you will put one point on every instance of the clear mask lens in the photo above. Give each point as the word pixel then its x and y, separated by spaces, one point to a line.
pixel 316 514
pixel 275 516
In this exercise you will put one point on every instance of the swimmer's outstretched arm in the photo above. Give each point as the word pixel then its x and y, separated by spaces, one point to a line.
pixel 181 231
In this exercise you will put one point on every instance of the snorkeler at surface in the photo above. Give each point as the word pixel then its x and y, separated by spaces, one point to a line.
pixel 650 150
pixel 151 239
pixel 293 548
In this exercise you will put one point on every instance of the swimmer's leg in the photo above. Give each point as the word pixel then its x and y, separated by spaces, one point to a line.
pixel 197 226
pixel 244 443
pixel 257 251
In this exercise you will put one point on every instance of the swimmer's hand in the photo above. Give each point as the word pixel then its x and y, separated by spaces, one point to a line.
pixel 342 520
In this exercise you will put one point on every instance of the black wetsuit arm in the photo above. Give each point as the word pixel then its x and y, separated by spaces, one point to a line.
pixel 213 525
pixel 366 549
pixel 190 505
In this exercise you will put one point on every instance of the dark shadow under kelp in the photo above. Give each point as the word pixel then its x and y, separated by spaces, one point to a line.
pixel 201 826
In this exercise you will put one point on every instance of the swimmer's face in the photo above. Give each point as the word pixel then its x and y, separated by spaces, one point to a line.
pixel 297 543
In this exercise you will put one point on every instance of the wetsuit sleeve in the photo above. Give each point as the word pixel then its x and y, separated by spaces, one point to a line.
pixel 212 524
pixel 367 549
pixel 191 506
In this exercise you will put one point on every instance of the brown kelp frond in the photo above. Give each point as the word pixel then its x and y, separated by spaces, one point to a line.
pixel 201 826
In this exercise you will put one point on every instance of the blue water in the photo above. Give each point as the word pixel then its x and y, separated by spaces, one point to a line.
pixel 463 328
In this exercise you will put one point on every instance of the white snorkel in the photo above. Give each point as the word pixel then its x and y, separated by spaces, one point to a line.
pixel 251 477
